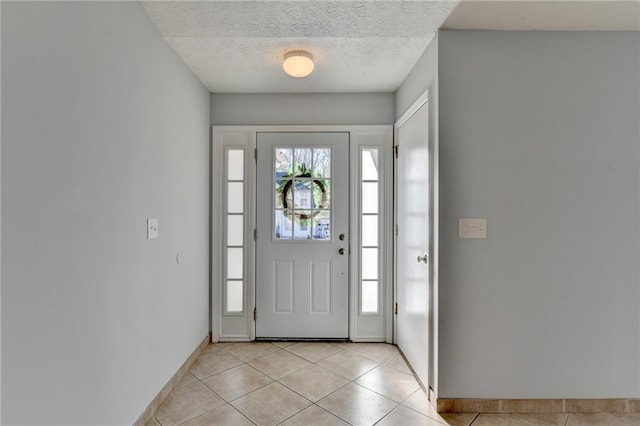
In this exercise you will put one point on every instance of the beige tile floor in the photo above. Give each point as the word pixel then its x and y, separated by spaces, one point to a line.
pixel 301 384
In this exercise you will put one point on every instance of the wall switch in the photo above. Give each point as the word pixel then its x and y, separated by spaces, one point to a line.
pixel 152 228
pixel 473 228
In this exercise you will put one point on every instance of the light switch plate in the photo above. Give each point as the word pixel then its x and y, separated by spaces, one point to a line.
pixel 473 228
pixel 152 228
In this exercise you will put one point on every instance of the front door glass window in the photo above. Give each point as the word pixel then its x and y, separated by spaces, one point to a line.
pixel 302 193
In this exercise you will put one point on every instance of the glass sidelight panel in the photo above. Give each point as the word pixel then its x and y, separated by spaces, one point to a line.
pixel 369 262
pixel 369 296
pixel 234 262
pixel 370 164
pixel 235 197
pixel 235 168
pixel 235 230
pixel 234 296
pixel 369 230
pixel 302 196
pixel 369 197
pixel 234 250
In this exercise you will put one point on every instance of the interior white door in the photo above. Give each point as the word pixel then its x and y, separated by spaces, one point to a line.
pixel 302 252
pixel 412 242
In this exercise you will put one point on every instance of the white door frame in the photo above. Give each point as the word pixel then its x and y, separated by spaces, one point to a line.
pixel 433 146
pixel 240 326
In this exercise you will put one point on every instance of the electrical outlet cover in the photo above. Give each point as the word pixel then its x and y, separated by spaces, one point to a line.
pixel 473 228
pixel 152 228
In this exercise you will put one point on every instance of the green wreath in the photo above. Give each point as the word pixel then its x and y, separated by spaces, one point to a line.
pixel 284 188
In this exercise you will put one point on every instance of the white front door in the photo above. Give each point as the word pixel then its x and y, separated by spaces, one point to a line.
pixel 412 242
pixel 302 250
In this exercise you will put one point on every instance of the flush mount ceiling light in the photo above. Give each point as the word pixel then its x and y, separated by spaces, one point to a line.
pixel 298 63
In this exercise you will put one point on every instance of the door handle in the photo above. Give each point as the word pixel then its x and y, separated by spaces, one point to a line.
pixel 424 258
pixel 341 251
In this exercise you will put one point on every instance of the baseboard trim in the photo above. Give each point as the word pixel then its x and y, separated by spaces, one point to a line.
pixel 506 406
pixel 148 412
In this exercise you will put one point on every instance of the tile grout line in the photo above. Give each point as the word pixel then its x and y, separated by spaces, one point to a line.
pixel 353 381
pixel 243 415
pixel 212 410
pixel 349 381
pixel 386 415
pixel 200 415
pixel 378 363
pixel 229 402
pixel 261 387
pixel 218 372
pixel 416 411
pixel 313 402
pixel 474 419
pixel 273 380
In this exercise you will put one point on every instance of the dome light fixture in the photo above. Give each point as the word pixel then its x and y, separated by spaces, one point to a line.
pixel 298 63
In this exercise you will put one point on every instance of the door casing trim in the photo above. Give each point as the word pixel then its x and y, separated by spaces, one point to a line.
pixel 385 134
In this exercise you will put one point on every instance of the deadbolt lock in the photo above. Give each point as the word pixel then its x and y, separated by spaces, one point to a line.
pixel 341 237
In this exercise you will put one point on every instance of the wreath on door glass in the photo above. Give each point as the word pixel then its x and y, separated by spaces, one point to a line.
pixel 283 189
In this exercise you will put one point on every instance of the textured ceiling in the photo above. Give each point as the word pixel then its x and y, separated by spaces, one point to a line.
pixel 358 46
pixel 238 46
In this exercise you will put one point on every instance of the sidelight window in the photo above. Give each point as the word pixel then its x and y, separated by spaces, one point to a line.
pixel 369 231
pixel 234 245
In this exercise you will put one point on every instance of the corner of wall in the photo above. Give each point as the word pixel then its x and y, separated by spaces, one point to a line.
pixel 0 212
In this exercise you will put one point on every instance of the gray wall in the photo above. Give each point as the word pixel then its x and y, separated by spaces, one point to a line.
pixel 0 219
pixel 539 134
pixel 103 127
pixel 301 109
pixel 423 76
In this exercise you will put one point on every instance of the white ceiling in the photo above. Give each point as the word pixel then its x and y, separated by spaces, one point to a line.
pixel 358 46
